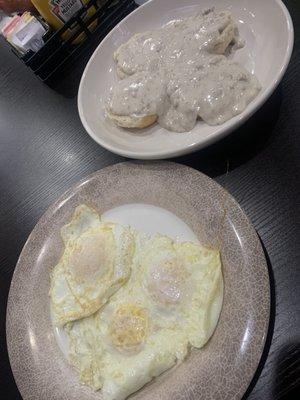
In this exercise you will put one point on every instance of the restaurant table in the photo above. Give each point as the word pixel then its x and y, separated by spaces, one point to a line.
pixel 44 149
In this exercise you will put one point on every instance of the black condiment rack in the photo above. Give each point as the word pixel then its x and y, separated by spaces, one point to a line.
pixel 57 54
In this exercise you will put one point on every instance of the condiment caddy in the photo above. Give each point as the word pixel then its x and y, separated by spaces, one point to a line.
pixel 63 47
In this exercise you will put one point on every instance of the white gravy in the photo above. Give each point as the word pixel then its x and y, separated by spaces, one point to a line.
pixel 182 72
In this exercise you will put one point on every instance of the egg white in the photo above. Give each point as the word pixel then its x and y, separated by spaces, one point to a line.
pixel 95 263
pixel 171 301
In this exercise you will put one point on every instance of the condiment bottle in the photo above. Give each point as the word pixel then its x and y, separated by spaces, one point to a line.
pixel 58 12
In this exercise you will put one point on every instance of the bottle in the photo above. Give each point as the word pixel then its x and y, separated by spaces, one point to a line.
pixel 58 12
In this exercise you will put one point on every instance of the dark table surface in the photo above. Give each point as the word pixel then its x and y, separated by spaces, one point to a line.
pixel 44 149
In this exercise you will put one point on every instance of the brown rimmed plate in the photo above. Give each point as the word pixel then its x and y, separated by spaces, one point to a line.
pixel 222 369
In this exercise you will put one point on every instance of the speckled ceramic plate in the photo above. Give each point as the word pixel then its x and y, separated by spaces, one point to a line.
pixel 181 200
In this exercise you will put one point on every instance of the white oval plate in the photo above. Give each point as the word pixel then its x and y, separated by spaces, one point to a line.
pixel 265 25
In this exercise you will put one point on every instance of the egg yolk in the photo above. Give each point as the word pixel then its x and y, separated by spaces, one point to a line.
pixel 92 257
pixel 165 281
pixel 129 328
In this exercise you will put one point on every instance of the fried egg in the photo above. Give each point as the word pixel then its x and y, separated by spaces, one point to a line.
pixel 96 261
pixel 171 302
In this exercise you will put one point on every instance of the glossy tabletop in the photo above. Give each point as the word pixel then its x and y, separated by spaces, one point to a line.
pixel 44 150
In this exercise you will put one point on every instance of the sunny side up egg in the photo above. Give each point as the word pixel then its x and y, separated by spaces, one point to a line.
pixel 171 301
pixel 96 261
